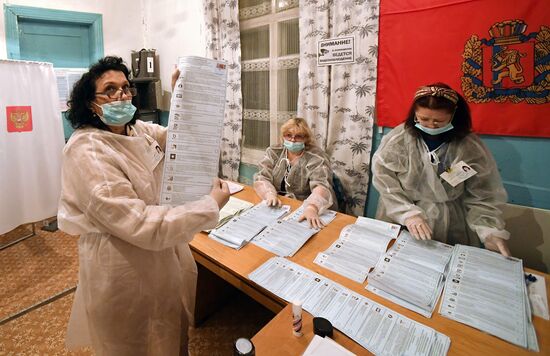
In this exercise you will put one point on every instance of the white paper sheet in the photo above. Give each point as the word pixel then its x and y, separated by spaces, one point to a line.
pixel 239 230
pixel 487 291
pixel 325 346
pixel 233 207
pixel 284 237
pixel 538 297
pixel 357 249
pixel 412 273
pixel 66 78
pixel 375 327
pixel 326 217
pixel 195 127
pixel 234 187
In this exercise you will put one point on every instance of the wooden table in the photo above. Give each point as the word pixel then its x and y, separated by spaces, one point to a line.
pixel 276 338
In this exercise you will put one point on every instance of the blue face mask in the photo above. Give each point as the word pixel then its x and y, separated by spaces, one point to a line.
pixel 117 113
pixel 294 146
pixel 435 131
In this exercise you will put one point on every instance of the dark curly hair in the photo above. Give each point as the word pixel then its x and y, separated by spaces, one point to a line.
pixel 462 120
pixel 80 114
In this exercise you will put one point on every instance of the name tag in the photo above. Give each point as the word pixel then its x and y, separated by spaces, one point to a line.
pixel 458 173
pixel 154 151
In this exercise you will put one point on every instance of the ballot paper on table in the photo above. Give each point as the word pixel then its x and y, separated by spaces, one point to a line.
pixel 195 127
pixel 487 291
pixel 326 217
pixel 375 327
pixel 325 346
pixel 238 231
pixel 232 208
pixel 412 273
pixel 284 238
pixel 358 248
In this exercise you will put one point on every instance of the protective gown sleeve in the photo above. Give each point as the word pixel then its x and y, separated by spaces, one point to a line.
pixel 387 163
pixel 320 178
pixel 263 180
pixel 484 193
pixel 95 184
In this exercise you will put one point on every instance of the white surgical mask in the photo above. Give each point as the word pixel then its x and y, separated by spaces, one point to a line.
pixel 294 146
pixel 117 113
pixel 436 131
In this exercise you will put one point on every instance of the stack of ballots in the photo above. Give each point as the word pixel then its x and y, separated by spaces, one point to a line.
pixel 285 237
pixel 487 291
pixel 412 273
pixel 242 228
pixel 377 328
pixel 358 248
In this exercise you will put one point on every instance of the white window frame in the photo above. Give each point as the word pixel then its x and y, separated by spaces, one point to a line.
pixel 250 155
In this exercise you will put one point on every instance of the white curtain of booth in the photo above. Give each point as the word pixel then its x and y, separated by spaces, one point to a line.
pixel 223 42
pixel 338 101
pixel 30 162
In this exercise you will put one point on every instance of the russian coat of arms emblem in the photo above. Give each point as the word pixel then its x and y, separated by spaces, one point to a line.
pixel 510 65
pixel 19 118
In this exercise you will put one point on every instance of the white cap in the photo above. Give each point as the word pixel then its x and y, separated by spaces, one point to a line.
pixel 296 307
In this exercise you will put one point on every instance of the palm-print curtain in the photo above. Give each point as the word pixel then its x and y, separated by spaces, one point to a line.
pixel 341 109
pixel 223 42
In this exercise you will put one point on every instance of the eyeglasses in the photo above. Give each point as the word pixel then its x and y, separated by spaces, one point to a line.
pixel 297 137
pixel 112 93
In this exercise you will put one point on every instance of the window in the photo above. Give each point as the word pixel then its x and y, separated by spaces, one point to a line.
pixel 270 55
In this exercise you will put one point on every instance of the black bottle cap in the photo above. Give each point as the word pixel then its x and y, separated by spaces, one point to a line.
pixel 322 327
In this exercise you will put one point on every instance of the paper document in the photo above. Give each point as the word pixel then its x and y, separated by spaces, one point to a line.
pixel 412 273
pixel 325 346
pixel 195 127
pixel 538 297
pixel 284 237
pixel 233 207
pixel 487 291
pixel 234 187
pixel 326 217
pixel 238 231
pixel 358 248
pixel 375 327
pixel 66 78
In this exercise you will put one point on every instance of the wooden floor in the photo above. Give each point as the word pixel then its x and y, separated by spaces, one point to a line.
pixel 46 265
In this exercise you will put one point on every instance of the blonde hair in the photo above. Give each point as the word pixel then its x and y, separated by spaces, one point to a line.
pixel 299 126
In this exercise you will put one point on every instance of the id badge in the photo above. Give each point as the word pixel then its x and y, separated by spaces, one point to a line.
pixel 458 173
pixel 155 152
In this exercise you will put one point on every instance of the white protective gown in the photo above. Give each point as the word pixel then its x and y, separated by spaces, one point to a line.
pixel 309 178
pixel 136 268
pixel 409 184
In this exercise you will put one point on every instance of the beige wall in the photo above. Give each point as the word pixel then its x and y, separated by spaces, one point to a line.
pixel 122 28
pixel 173 27
pixel 530 235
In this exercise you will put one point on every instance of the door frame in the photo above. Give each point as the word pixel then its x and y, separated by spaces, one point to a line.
pixel 12 15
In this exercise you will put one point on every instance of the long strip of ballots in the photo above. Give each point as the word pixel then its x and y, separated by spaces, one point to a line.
pixel 374 326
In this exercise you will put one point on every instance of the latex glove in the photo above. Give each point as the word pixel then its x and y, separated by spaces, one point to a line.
pixel 220 192
pixel 272 200
pixel 419 228
pixel 175 76
pixel 497 244
pixel 311 214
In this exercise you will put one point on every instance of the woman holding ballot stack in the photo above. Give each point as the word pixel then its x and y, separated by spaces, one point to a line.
pixel 437 178
pixel 137 277
pixel 298 169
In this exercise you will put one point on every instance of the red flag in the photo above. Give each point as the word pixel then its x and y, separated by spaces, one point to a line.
pixel 19 118
pixel 496 53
